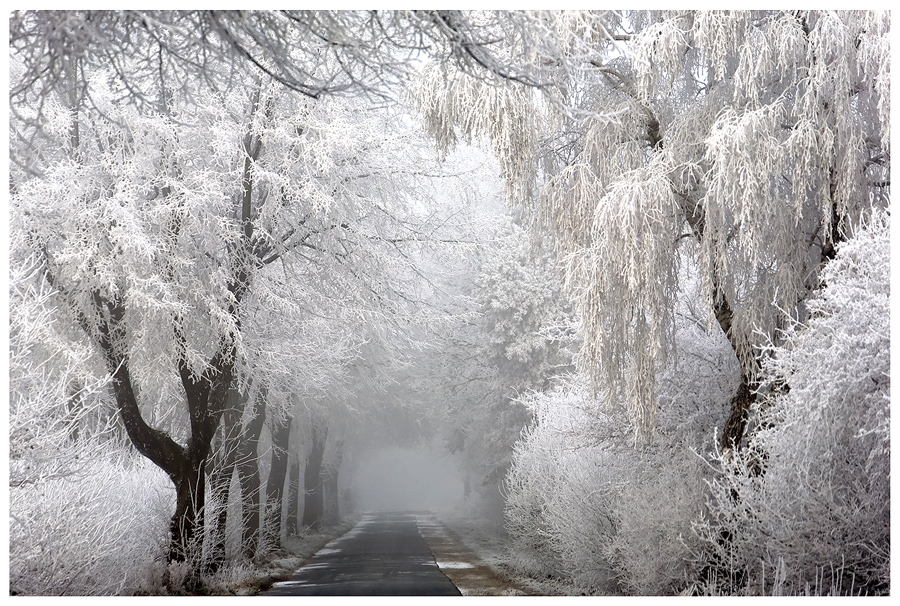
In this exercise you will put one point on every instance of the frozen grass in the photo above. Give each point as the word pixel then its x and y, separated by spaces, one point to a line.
pixel 490 543
pixel 101 531
pixel 104 531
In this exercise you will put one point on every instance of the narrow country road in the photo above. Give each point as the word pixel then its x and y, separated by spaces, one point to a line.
pixel 384 554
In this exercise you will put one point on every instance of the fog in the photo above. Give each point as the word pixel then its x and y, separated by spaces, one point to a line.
pixel 407 479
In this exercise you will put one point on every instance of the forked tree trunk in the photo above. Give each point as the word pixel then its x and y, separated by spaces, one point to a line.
pixel 248 475
pixel 281 433
pixel 185 466
pixel 313 505
pixel 293 512
pixel 205 394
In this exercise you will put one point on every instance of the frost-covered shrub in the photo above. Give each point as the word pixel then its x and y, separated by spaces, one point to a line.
pixel 655 511
pixel 805 508
pixel 537 475
pixel 558 508
pixel 86 515
pixel 585 502
pixel 101 531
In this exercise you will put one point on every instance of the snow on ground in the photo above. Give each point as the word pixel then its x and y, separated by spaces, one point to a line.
pixel 484 545
pixel 245 580
pixel 470 574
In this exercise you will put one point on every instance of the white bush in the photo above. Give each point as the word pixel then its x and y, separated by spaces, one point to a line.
pixel 537 476
pixel 586 503
pixel 806 507
pixel 101 531
pixel 87 515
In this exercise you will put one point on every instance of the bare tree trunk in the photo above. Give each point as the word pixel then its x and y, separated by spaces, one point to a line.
pixel 736 425
pixel 743 399
pixel 293 514
pixel 248 475
pixel 313 505
pixel 221 474
pixel 185 466
pixel 186 526
pixel 281 433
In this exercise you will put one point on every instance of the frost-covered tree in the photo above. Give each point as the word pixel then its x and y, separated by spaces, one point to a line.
pixel 160 233
pixel 510 332
pixel 523 314
pixel 756 140
pixel 807 505
pixel 127 232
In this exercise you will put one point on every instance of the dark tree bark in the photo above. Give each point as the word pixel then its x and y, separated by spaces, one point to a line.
pixel 745 396
pixel 281 433
pixel 222 473
pixel 205 395
pixel 742 401
pixel 185 466
pixel 248 475
pixel 103 319
pixel 313 505
pixel 332 513
pixel 293 513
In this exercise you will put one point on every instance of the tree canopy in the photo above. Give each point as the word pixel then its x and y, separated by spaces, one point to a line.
pixel 246 242
pixel 747 143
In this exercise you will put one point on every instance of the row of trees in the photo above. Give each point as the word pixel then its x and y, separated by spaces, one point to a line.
pixel 225 252
pixel 223 216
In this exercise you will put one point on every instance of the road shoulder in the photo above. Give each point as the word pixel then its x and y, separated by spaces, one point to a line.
pixel 471 575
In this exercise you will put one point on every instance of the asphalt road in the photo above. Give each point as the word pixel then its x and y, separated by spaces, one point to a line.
pixel 384 554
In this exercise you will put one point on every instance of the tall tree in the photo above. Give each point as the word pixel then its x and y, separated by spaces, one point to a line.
pixel 116 263
pixel 171 220
pixel 750 141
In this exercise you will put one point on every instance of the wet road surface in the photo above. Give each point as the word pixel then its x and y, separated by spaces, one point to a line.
pixel 384 554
